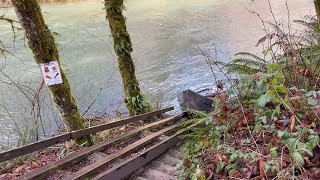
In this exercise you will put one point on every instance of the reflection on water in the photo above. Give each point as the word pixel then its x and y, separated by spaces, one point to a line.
pixel 165 35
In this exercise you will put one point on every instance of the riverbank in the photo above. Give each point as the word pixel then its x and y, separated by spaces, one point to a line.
pixel 166 64
pixel 269 127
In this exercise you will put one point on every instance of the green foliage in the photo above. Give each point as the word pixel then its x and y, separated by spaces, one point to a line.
pixel 135 102
pixel 139 103
pixel 272 166
pixel 276 112
pixel 65 152
pixel 246 63
pixel 269 100
pixel 299 57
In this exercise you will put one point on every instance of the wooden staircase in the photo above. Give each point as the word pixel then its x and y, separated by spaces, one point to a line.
pixel 164 167
pixel 135 149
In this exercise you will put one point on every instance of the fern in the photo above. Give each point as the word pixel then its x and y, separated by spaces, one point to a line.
pixel 246 63
pixel 255 57
pixel 195 114
pixel 312 24
pixel 241 69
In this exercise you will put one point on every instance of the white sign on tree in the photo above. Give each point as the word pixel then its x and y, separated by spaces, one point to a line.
pixel 51 73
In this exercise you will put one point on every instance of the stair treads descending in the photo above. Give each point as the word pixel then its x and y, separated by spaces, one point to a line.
pixel 154 174
pixel 171 170
pixel 140 178
pixel 175 153
pixel 127 167
pixel 78 156
pixel 29 148
pixel 169 160
pixel 104 162
pixel 159 166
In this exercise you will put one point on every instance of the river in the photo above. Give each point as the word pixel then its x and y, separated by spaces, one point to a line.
pixel 165 36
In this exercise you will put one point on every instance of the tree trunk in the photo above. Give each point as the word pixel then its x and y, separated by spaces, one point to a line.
pixel 317 6
pixel 43 46
pixel 135 101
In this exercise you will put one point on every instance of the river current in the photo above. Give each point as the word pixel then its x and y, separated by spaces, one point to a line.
pixel 166 35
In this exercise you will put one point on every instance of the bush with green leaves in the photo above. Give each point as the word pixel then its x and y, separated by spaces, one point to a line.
pixel 278 126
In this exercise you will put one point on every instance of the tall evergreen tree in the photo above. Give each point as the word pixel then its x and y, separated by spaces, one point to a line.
pixel 44 49
pixel 135 101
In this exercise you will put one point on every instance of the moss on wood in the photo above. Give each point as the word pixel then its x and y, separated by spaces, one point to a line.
pixel 43 46
pixel 135 102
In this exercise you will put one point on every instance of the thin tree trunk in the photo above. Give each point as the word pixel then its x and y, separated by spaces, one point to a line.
pixel 317 6
pixel 43 46
pixel 134 100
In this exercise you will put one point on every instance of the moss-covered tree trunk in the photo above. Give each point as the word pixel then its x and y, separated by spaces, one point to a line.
pixel 317 6
pixel 43 46
pixel 134 100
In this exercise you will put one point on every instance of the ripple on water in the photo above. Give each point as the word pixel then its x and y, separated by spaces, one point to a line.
pixel 165 35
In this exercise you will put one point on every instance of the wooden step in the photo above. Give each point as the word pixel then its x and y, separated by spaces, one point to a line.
pixel 76 157
pixel 139 178
pixel 17 152
pixel 169 160
pixel 129 166
pixel 176 154
pixel 159 166
pixel 152 174
pixel 104 162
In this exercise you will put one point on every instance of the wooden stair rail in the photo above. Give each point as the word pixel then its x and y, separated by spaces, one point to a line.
pixel 123 169
pixel 14 153
pixel 45 171
pixel 95 167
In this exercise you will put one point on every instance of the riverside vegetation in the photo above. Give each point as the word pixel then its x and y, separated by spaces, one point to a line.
pixel 265 126
pixel 269 126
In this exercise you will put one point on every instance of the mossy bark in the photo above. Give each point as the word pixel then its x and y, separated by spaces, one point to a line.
pixel 43 46
pixel 135 102
pixel 317 6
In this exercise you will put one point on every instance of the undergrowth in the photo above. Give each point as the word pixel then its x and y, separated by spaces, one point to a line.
pixel 266 125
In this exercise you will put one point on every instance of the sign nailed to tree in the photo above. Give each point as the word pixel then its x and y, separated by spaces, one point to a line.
pixel 51 73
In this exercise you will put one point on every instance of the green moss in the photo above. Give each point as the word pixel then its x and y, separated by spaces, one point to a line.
pixel 134 100
pixel 44 48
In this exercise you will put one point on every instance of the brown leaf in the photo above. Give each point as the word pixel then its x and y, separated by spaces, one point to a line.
pixel 296 101
pixel 255 76
pixel 235 174
pixel 261 169
pixel 222 158
pixel 293 122
pixel 315 172
pixel 306 176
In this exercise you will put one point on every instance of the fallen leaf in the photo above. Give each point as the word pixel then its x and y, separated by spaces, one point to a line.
pixel 293 122
pixel 261 169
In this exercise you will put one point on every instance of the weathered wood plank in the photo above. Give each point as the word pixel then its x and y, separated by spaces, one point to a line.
pixel 45 171
pixel 127 167
pixel 94 129
pixel 99 165
pixel 14 153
